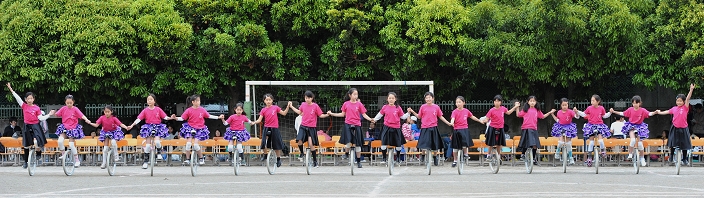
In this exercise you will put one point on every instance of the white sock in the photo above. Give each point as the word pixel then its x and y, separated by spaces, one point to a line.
pixel 601 144
pixel 230 148
pixel 239 148
pixel 591 146
pixel 61 144
pixel 72 145
pixel 148 149
pixel 559 145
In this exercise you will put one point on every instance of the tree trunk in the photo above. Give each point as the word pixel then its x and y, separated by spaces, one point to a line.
pixel 549 97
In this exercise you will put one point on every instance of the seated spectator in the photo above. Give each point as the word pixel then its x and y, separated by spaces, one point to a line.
pixel 12 130
pixel 617 126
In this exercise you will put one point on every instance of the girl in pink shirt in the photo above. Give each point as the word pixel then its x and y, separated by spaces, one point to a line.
pixel 529 136
pixel 429 135
pixel 495 117
pixel 152 116
pixel 236 132
pixel 635 124
pixel 307 132
pixel 195 117
pixel 70 128
pixel 32 115
pixel 111 132
pixel 391 134
pixel 564 129
pixel 271 127
pixel 461 138
pixel 679 132
pixel 352 134
pixel 595 126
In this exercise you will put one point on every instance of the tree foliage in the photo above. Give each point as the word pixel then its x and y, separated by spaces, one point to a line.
pixel 120 50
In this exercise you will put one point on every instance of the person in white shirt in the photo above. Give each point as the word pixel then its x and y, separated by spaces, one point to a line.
pixel 617 126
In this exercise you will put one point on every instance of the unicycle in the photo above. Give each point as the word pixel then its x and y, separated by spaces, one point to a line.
pixel 678 160
pixel 529 160
pixel 564 154
pixel 428 158
pixel 308 161
pixel 237 162
pixel 352 158
pixel 194 160
pixel 390 161
pixel 271 161
pixel 32 160
pixel 110 160
pixel 494 160
pixel 152 154
pixel 460 161
pixel 68 163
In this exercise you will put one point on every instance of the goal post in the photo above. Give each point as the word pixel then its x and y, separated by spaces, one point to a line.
pixel 329 96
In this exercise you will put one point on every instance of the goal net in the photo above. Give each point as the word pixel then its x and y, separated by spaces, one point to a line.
pixel 329 95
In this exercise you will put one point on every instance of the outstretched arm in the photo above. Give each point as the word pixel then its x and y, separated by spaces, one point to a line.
pixel 515 106
pixel 689 95
pixel 18 98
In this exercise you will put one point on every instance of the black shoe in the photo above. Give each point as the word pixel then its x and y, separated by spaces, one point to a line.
pixel 24 166
pixel 263 158
pixel 454 164
pixel 435 161
pixel 359 165
pixel 535 163
pixel 278 163
pixel 315 164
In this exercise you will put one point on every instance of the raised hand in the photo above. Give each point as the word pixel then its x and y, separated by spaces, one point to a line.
pixel 290 104
pixel 611 110
pixel 8 86
pixel 691 86
pixel 409 110
pixel 575 109
pixel 516 104
pixel 52 112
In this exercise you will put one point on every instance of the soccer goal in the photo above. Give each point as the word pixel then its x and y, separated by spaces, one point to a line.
pixel 329 95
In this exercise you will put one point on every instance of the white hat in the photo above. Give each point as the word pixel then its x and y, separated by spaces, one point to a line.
pixel 414 118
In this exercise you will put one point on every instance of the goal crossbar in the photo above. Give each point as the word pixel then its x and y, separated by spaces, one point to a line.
pixel 250 86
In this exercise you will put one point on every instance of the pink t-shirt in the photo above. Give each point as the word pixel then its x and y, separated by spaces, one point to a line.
pixel 496 116
pixel 392 116
pixel 595 114
pixel 109 124
pixel 69 116
pixel 271 119
pixel 31 113
pixel 236 122
pixel 152 116
pixel 429 115
pixel 679 116
pixel 352 112
pixel 530 118
pixel 636 116
pixel 461 117
pixel 565 117
pixel 310 113
pixel 195 117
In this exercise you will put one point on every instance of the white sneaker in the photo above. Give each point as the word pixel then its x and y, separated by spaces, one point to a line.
pixel 63 155
pixel 201 161
pixel 187 162
pixel 145 165
pixel 102 166
pixel 78 162
pixel 571 161
pixel 642 162
pixel 158 157
pixel 557 156
pixel 630 156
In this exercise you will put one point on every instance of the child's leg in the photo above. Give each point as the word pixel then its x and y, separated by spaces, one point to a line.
pixel 74 151
pixel 157 141
pixel 188 148
pixel 230 145
pixel 560 143
pixel 239 149
pixel 147 149
pixel 61 144
pixel 106 143
pixel 312 151
pixel 113 147
pixel 568 146
pixel 602 148
pixel 196 147
pixel 632 144
pixel 383 152
pixel 590 149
